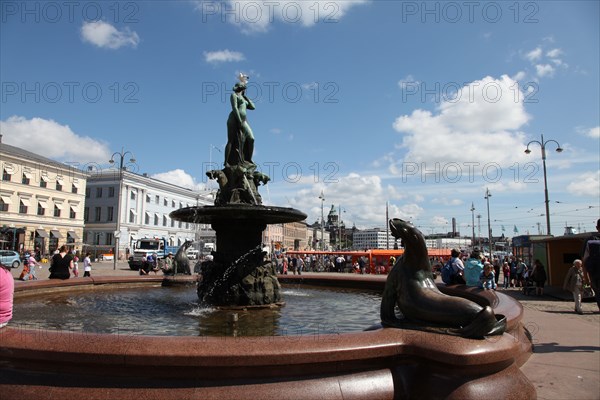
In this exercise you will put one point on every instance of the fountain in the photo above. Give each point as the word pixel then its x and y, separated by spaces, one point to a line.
pixel 238 275
pixel 421 354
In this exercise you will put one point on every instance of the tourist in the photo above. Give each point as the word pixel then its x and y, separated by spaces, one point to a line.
pixel 513 271
pixel 299 265
pixel 284 265
pixel 168 267
pixel 538 275
pixel 473 269
pixel 497 264
pixel 574 283
pixel 506 273
pixel 591 262
pixel 61 264
pixel 87 265
pixel 32 261
pixel 7 290
pixel 520 271
pixel 487 279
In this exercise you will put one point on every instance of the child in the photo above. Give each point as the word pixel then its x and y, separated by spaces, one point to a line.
pixel 76 266
pixel 506 273
pixel 486 279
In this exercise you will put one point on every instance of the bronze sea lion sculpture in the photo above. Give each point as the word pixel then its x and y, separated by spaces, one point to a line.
pixel 410 285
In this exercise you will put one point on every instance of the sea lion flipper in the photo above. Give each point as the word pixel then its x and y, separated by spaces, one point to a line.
pixel 485 323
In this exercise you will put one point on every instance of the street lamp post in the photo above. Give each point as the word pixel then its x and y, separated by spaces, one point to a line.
pixel 322 197
pixel 122 166
pixel 559 149
pixel 473 224
pixel 487 198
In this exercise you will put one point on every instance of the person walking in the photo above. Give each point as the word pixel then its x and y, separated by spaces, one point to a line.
pixel 574 283
pixel 591 262
pixel 87 266
pixel 538 275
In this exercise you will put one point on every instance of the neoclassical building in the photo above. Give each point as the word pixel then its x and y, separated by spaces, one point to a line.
pixel 122 206
pixel 41 202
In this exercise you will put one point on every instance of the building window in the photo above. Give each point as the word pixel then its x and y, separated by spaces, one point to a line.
pixel 3 205
pixel 172 223
pixel 166 202
pixel 72 213
pixel 73 189
pixel 173 204
pixel 109 217
pixel 148 198
pixel 56 211
pixel 5 175
pixel 164 220
pixel 58 186
pixel 97 239
pixel 131 217
pixel 109 238
pixel 25 180
pixel 157 199
pixel 22 208
pixel 98 214
pixel 43 183
pixel 98 192
pixel 86 214
pixel 180 224
pixel 87 193
pixel 111 191
pixel 132 195
pixel 147 219
pixel 155 219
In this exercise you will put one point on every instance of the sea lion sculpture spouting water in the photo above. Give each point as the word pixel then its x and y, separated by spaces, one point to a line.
pixel 410 285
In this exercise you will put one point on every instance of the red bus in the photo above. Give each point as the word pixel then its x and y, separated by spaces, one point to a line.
pixel 378 259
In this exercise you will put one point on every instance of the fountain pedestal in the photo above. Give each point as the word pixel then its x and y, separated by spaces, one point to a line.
pixel 238 275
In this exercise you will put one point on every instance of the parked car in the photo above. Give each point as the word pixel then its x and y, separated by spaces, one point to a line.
pixel 10 258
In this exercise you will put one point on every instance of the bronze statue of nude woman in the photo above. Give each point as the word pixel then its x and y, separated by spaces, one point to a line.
pixel 240 140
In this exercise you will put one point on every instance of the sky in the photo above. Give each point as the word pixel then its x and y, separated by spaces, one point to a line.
pixel 422 106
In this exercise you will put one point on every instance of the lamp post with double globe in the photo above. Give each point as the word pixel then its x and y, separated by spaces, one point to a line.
pixel 559 149
pixel 122 167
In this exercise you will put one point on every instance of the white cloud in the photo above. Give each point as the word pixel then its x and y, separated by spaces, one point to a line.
pixel 52 140
pixel 554 53
pixel 594 132
pixel 362 198
pixel 519 76
pixel 534 54
pixel 588 184
pixel 479 126
pixel 256 17
pixel 223 56
pixel 179 177
pixel 103 34
pixel 408 80
pixel 544 70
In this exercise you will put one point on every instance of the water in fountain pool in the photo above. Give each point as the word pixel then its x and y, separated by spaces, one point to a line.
pixel 174 311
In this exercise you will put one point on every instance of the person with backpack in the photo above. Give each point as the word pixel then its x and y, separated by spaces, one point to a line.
pixel 452 271
pixel 591 262
pixel 473 269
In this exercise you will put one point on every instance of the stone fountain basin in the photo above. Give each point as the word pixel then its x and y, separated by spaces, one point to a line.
pixel 378 364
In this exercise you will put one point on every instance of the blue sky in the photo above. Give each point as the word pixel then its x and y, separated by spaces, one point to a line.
pixel 420 104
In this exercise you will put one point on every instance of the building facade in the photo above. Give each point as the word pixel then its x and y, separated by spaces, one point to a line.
pixel 121 207
pixel 372 239
pixel 41 202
